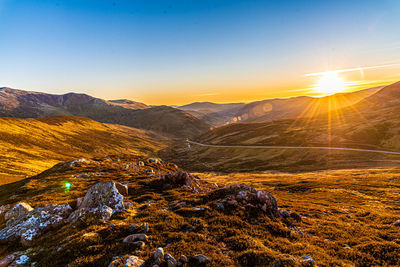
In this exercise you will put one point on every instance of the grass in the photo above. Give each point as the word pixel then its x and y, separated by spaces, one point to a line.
pixel 29 146
pixel 347 217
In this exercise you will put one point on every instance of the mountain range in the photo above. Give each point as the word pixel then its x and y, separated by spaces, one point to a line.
pixel 173 122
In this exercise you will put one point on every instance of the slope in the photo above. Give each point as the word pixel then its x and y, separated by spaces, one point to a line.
pixel 29 146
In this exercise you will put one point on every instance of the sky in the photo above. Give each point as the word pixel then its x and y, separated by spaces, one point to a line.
pixel 177 52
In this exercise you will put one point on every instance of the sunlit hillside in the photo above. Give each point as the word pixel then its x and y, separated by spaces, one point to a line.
pixel 29 146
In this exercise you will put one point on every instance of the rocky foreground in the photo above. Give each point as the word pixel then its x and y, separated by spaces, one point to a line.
pixel 135 211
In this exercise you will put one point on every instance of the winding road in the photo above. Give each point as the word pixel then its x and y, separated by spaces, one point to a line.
pixel 296 147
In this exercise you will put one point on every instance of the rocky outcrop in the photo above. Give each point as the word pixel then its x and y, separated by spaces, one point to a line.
pixel 25 224
pixel 99 204
pixel 242 195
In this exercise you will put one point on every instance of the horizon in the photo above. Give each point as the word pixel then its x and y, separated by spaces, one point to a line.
pixel 200 102
pixel 176 52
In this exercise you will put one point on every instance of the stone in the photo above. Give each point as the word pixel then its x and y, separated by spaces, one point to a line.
pixel 103 193
pixel 140 163
pixel 127 205
pixel 79 201
pixel 396 223
pixel 307 260
pixel 26 228
pixel 168 257
pixel 138 245
pixel 158 254
pixel 199 260
pixel 3 210
pixel 284 213
pixel 183 259
pixel 21 261
pixel 20 209
pixel 91 216
pixel 7 260
pixel 122 188
pixel 135 237
pixel 133 261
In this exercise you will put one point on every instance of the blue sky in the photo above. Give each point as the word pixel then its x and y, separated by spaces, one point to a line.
pixel 176 52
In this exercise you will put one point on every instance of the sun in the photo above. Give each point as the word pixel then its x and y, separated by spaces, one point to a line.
pixel 330 83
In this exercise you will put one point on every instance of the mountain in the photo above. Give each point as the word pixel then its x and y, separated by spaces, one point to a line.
pixel 296 107
pixel 25 104
pixel 213 113
pixel 274 109
pixel 29 146
pixel 129 104
pixel 372 123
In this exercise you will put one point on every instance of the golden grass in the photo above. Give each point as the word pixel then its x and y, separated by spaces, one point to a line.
pixel 347 217
pixel 29 146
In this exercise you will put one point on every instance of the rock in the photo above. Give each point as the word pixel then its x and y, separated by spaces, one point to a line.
pixel 79 202
pixel 3 210
pixel 21 261
pixel 122 188
pixel 27 227
pixel 92 216
pixel 348 216
pixel 133 261
pixel 168 257
pixel 295 216
pixel 127 261
pixel 7 260
pixel 396 223
pixel 178 178
pixel 91 237
pixel 103 193
pixel 170 263
pixel 150 171
pixel 242 195
pixel 183 259
pixel 138 245
pixel 284 213
pixel 18 210
pixel 307 260
pixel 127 205
pixel 140 163
pixel 135 237
pixel 158 254
pixel 199 260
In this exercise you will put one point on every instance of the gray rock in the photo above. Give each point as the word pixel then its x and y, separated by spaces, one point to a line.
pixel 7 260
pixel 27 227
pixel 18 210
pixel 158 254
pixel 284 213
pixel 92 216
pixel 133 261
pixel 168 257
pixel 307 260
pixel 199 260
pixel 135 237
pixel 396 223
pixel 103 193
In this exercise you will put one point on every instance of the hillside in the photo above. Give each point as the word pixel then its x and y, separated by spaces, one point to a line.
pixel 29 146
pixel 129 211
pixel 363 125
pixel 275 109
pixel 25 104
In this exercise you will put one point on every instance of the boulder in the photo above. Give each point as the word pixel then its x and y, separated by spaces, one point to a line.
pixel 307 261
pixel 158 254
pixel 18 210
pixel 135 237
pixel 242 195
pixel 103 193
pixel 199 260
pixel 27 227
pixel 127 261
pixel 3 210
pixel 92 216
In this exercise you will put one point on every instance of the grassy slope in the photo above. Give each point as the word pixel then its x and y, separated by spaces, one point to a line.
pixel 366 237
pixel 28 146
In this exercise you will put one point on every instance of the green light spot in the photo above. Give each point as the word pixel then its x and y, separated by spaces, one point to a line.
pixel 67 185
